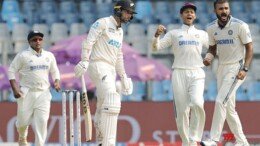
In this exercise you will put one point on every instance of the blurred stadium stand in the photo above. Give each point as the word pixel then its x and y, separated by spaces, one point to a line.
pixel 60 19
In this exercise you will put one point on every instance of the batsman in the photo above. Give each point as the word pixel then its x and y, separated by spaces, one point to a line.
pixel 102 58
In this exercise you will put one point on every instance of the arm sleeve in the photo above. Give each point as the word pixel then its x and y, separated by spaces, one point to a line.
pixel 15 66
pixel 120 69
pixel 165 42
pixel 54 69
pixel 211 40
pixel 94 33
pixel 245 34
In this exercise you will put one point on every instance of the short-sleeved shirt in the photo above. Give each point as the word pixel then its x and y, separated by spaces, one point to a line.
pixel 230 40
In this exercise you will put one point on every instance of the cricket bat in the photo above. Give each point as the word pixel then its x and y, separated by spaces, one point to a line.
pixel 86 110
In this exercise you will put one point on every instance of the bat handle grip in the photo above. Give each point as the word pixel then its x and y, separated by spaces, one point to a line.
pixel 84 89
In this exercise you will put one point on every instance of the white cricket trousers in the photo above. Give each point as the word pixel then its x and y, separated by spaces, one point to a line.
pixel 33 108
pixel 225 105
pixel 188 88
pixel 104 77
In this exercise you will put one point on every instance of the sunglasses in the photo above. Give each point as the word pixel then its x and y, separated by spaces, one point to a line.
pixel 36 39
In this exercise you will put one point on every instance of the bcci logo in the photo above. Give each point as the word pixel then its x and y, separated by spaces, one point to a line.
pixel 230 32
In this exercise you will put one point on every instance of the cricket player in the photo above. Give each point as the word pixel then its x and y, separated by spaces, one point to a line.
pixel 102 57
pixel 230 40
pixel 33 94
pixel 188 77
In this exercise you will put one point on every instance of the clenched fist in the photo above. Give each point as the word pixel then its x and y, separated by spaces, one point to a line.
pixel 160 30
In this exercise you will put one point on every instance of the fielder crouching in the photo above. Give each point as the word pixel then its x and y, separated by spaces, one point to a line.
pixel 102 58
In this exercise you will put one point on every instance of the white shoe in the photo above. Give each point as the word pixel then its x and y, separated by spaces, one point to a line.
pixel 23 141
pixel 208 143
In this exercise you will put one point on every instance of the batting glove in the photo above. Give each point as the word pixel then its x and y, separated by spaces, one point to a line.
pixel 127 85
pixel 81 68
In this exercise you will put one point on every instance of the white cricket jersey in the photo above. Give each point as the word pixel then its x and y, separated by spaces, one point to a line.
pixel 187 43
pixel 34 69
pixel 230 40
pixel 104 43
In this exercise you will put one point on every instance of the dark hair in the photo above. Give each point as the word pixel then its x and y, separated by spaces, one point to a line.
pixel 219 2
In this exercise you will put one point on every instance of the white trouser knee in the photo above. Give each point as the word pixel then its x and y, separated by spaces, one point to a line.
pixel 109 115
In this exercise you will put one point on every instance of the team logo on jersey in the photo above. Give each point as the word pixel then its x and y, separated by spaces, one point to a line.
pixel 215 33
pixel 112 30
pixel 230 32
pixel 197 35
pixel 114 43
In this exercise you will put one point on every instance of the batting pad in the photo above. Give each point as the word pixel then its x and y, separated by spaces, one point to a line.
pixel 109 115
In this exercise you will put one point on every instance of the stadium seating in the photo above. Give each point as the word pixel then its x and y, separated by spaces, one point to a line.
pixel 254 91
pixel 77 29
pixel 87 7
pixel 19 36
pixel 59 31
pixel 255 6
pixel 135 36
pixel 67 7
pixel 88 19
pixel 144 10
pixel 138 91
pixel 202 6
pixel 237 7
pixel 4 38
pixel 11 13
pixel 48 6
pixel 162 90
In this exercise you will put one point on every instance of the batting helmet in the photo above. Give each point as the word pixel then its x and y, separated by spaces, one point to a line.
pixel 124 5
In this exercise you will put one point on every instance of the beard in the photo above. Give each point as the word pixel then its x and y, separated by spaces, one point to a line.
pixel 222 19
pixel 124 20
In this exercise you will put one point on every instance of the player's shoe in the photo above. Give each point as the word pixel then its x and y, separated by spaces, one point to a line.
pixel 208 143
pixel 23 141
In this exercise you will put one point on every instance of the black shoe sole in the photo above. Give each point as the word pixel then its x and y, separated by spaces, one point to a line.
pixel 202 144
